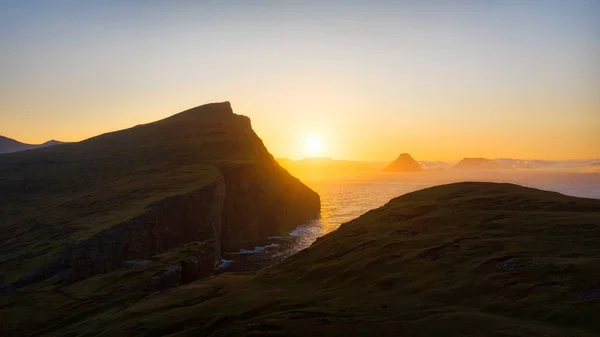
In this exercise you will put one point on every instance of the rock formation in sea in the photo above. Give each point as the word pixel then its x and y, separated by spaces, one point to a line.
pixel 404 163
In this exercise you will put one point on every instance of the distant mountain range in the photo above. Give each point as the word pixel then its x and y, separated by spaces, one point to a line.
pixel 326 168
pixel 405 163
pixel 9 145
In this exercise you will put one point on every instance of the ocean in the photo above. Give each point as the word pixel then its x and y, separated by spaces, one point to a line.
pixel 347 198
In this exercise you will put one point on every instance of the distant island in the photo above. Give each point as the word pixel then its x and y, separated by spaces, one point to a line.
pixel 404 163
pixel 9 145
pixel 477 164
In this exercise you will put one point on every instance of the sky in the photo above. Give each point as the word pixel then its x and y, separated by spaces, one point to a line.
pixel 359 80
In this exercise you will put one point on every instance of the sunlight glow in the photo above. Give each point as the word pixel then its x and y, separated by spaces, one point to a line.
pixel 313 145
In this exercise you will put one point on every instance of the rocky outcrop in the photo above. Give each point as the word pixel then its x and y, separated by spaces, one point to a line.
pixel 167 278
pixel 193 265
pixel 404 163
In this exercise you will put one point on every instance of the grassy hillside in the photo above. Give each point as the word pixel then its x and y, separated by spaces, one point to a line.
pixel 466 259
pixel 64 194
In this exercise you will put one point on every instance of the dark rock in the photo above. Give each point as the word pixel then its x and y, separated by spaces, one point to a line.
pixel 509 265
pixel 131 264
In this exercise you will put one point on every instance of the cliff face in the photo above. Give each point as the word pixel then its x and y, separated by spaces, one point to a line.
pixel 92 207
pixel 170 223
pixel 258 206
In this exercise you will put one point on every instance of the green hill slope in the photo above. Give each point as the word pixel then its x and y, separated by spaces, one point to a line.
pixel 200 177
pixel 466 259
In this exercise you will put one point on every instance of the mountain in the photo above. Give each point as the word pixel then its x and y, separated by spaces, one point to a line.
pixel 404 163
pixel 167 198
pixel 464 259
pixel 8 145
pixel 477 164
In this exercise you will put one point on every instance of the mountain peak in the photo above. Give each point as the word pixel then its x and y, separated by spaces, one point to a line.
pixel 219 106
pixel 9 145
pixel 404 163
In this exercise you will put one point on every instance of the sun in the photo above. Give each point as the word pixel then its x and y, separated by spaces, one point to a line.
pixel 313 145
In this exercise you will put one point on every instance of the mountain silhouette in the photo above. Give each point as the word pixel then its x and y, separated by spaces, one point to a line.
pixel 9 145
pixel 404 163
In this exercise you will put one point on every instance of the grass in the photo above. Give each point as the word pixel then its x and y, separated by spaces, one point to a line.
pixel 466 259
pixel 46 306
pixel 65 193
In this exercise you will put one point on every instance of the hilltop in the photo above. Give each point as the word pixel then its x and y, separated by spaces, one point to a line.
pixel 465 259
pixel 404 163
pixel 8 145
pixel 61 196
pixel 166 198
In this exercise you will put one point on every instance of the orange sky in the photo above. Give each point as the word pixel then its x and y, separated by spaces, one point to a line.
pixel 374 80
pixel 346 133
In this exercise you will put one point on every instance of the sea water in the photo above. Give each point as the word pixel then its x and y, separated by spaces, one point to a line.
pixel 345 199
